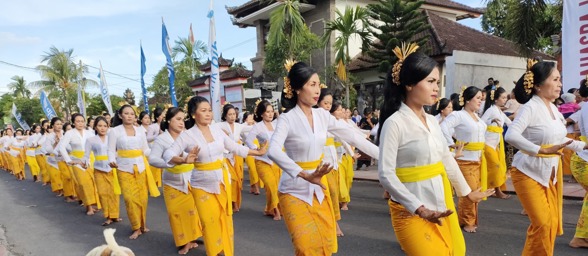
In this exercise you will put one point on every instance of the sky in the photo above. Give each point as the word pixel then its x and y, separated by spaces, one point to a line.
pixel 111 31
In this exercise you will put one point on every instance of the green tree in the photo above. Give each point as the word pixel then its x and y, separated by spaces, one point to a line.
pixel 391 23
pixel 160 85
pixel 350 24
pixel 191 54
pixel 19 87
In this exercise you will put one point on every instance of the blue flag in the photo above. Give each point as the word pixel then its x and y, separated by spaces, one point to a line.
pixel 170 64
pixel 143 70
pixel 19 119
pixel 215 83
pixel 46 105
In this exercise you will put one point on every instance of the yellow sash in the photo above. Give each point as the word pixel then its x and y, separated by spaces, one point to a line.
pixel 479 146
pixel 218 164
pixel 558 186
pixel 330 142
pixel 115 184
pixel 425 172
pixel 77 154
pixel 133 153
pixel 500 150
pixel 179 169
pixel 338 144
pixel 312 165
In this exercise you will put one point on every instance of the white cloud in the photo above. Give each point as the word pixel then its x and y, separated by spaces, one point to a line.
pixel 8 38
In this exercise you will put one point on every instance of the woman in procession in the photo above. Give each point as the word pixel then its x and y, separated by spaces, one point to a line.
pixel 268 171
pixel 153 131
pixel 106 179
pixel 127 151
pixel 17 145
pixel 177 192
pixel 31 152
pixel 539 132
pixel 416 166
pixel 346 156
pixel 204 147
pixel 494 150
pixel 302 132
pixel 76 139
pixel 469 130
pixel 57 185
pixel 234 162
pixel 40 152
pixel 254 182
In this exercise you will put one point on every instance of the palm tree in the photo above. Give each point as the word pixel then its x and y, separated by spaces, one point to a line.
pixel 19 87
pixel 352 23
pixel 191 53
pixel 286 26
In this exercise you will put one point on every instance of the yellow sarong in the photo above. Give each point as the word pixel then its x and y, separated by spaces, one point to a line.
pixel 115 183
pixel 496 160
pixel 133 153
pixel 311 227
pixel 105 186
pixel 215 211
pixel 33 166
pixel 346 174
pixel 269 174
pixel 85 182
pixel 67 179
pixel 134 190
pixel 42 162
pixel 456 242
pixel 236 172
pixel 580 171
pixel 479 146
pixel 55 176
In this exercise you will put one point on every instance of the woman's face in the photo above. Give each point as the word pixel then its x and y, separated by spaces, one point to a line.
pixel 58 126
pixel 425 92
pixel 146 120
pixel 355 112
pixel 38 129
pixel 339 113
pixel 249 120
pixel 551 87
pixel 445 112
pixel 18 133
pixel 160 118
pixel 501 100
pixel 475 103
pixel 326 103
pixel 268 115
pixel 203 115
pixel 102 128
pixel 231 116
pixel 91 123
pixel 79 123
pixel 309 94
pixel 176 124
pixel 128 116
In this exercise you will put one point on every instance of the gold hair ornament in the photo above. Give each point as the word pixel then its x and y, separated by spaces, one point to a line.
pixel 492 92
pixel 438 104
pixel 256 105
pixel 461 100
pixel 287 87
pixel 528 80
pixel 401 52
pixel 323 86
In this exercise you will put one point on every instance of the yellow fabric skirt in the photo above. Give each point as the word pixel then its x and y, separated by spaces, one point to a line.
pixel 17 166
pixel 105 187
pixel 183 216
pixel 496 172
pixel 134 190
pixel 567 155
pixel 467 211
pixel 42 162
pixel 67 179
pixel 253 175
pixel 417 236
pixel 236 172
pixel 86 187
pixel 311 227
pixel 346 174
pixel 270 175
pixel 541 205
pixel 333 181
pixel 156 172
pixel 8 160
pixel 32 162
pixel 217 223
pixel 55 176
pixel 580 171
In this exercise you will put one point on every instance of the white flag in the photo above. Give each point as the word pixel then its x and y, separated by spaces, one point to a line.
pixel 215 86
pixel 104 91
pixel 574 43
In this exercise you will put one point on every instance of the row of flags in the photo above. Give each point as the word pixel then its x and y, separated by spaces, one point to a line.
pixel 214 78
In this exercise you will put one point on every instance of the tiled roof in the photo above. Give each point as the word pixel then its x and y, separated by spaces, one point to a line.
pixel 221 62
pixel 454 5
pixel 225 75
pixel 446 35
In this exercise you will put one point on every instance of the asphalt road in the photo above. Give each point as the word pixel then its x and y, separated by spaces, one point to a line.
pixel 35 222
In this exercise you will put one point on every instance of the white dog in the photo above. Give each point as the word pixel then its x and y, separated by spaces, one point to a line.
pixel 111 248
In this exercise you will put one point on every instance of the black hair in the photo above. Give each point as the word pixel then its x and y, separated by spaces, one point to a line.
pixel 415 68
pixel 156 113
pixel 66 124
pixel 583 88
pixel 573 90
pixel 105 114
pixel 245 116
pixel 34 127
pixel 116 119
pixel 90 119
pixel 491 101
pixel 192 107
pixel 367 111
pixel 19 130
pixel 299 75
pixel 260 109
pixel 335 106
pixel 541 71
pixel 169 115
pixel 43 130
pixel 98 119
pixel 468 94
pixel 73 117
pixel 440 106
pixel 226 109
pixel 324 93
pixel 53 120
pixel 141 115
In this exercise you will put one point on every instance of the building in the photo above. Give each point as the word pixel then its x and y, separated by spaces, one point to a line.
pixel 232 80
pixel 466 56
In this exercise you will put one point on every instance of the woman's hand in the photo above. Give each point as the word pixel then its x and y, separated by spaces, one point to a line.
pixel 554 150
pixel 477 196
pixel 315 177
pixel 192 156
pixel 356 156
pixel 432 216
pixel 113 165
pixel 458 147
